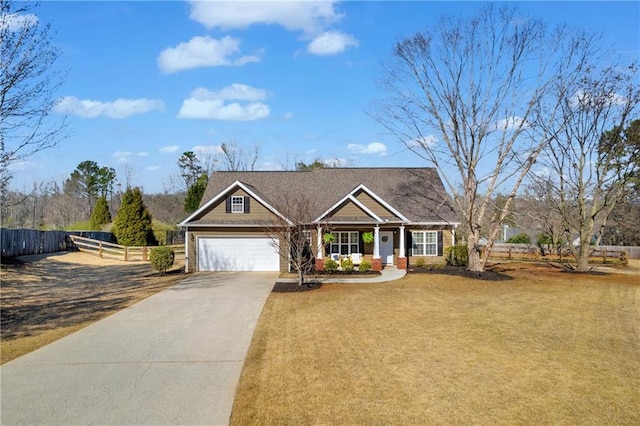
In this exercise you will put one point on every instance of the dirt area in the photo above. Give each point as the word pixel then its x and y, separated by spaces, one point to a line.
pixel 45 297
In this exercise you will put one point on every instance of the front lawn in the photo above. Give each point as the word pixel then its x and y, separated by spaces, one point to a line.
pixel 547 347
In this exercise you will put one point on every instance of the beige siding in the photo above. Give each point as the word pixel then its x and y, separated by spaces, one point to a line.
pixel 446 243
pixel 350 210
pixel 374 205
pixel 257 211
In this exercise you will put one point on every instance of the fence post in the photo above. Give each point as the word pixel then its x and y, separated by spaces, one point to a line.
pixel 144 253
pixel 100 249
pixel 126 253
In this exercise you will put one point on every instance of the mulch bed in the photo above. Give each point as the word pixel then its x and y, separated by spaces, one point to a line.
pixel 293 287
pixel 461 271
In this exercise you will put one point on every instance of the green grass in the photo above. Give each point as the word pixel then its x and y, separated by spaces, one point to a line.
pixel 545 348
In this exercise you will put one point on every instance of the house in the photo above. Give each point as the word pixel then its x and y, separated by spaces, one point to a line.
pixel 406 210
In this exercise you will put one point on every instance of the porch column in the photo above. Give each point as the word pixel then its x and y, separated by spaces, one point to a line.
pixel 319 244
pixel 319 256
pixel 376 265
pixel 186 251
pixel 402 259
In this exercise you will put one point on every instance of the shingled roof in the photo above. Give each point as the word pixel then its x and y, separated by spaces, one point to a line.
pixel 417 193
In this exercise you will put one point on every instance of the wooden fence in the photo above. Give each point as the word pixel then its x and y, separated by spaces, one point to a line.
pixel 531 251
pixel 22 242
pixel 116 251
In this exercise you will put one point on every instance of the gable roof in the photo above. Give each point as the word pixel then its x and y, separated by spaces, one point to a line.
pixel 414 194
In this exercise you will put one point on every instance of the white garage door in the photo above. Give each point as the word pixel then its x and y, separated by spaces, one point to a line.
pixel 237 254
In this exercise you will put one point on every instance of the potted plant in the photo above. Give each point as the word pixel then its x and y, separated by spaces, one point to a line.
pixel 367 237
pixel 328 238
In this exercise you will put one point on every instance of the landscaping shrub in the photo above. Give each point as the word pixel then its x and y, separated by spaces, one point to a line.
pixel 330 265
pixel 132 225
pixel 520 239
pixel 364 266
pixel 420 263
pixel 457 255
pixel 100 215
pixel 161 258
pixel 347 265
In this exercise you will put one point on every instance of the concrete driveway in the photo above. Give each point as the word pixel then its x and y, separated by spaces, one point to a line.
pixel 174 358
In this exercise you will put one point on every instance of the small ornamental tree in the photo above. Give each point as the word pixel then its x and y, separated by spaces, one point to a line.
pixel 100 215
pixel 132 226
pixel 162 258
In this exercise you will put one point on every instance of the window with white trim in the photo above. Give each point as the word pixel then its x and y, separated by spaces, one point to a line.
pixel 345 242
pixel 424 243
pixel 237 204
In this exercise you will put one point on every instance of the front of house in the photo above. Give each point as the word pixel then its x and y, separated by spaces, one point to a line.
pixel 386 216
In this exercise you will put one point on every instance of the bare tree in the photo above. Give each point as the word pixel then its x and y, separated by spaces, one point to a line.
pixel 27 87
pixel 235 158
pixel 595 157
pixel 291 233
pixel 468 97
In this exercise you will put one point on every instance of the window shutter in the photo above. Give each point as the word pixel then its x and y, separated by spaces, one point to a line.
pixel 228 205
pixel 246 205
pixel 409 244
pixel 440 243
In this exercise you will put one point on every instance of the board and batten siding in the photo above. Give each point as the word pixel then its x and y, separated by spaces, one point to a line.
pixel 373 205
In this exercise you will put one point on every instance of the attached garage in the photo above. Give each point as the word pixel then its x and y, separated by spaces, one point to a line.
pixel 237 254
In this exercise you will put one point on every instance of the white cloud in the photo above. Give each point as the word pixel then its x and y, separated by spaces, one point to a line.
pixel 511 123
pixel 584 99
pixel 425 142
pixel 209 105
pixel 237 91
pixel 310 17
pixel 330 43
pixel 288 116
pixel 205 150
pixel 373 148
pixel 203 52
pixel 154 168
pixel 169 149
pixel 125 156
pixel 15 21
pixel 120 108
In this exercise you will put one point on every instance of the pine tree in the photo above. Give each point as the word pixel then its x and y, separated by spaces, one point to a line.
pixel 132 226
pixel 100 215
pixel 195 193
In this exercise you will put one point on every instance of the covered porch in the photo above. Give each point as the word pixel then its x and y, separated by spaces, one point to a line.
pixel 381 246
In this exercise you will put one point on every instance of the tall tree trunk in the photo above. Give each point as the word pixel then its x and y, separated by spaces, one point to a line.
pixel 476 262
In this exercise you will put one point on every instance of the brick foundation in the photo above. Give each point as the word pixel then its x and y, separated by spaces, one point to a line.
pixel 376 265
pixel 402 263
pixel 319 264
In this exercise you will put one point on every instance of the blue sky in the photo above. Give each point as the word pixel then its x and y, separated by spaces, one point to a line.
pixel 148 80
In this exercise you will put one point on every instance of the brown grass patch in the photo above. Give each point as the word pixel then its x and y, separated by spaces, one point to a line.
pixel 49 296
pixel 546 347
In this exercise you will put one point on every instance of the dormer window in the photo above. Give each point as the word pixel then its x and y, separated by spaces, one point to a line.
pixel 237 204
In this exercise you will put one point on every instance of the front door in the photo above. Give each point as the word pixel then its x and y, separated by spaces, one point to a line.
pixel 386 247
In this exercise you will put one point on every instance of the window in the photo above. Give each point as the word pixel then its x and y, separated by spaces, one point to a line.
pixel 237 204
pixel 345 243
pixel 425 243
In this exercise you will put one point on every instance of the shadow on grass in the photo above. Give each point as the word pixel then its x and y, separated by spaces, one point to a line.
pixel 43 295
